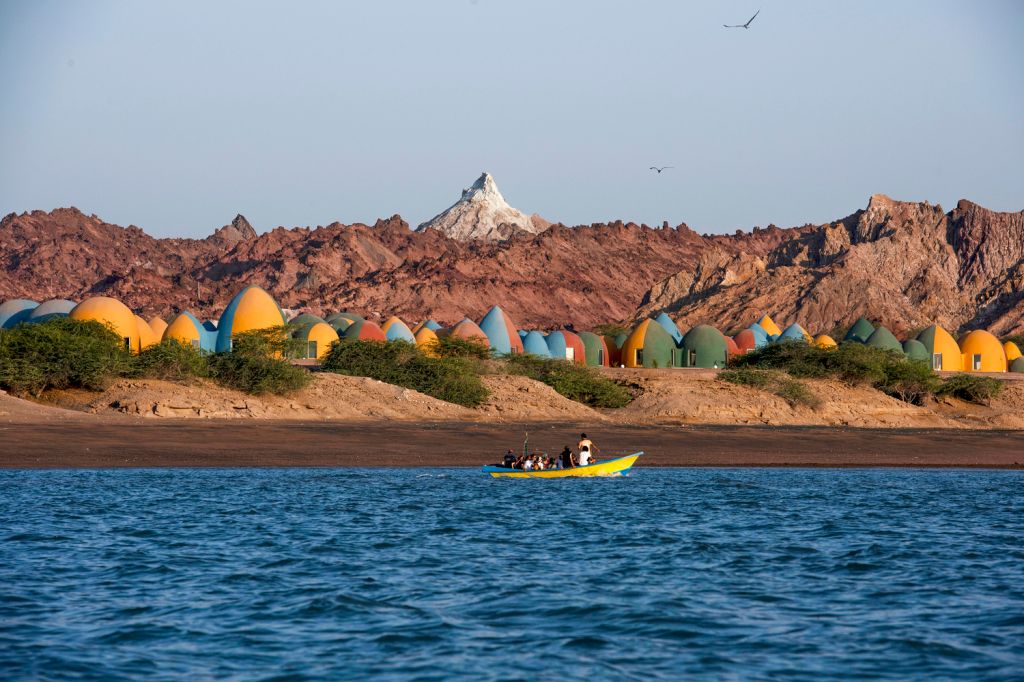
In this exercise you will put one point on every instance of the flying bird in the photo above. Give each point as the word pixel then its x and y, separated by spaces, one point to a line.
pixel 746 25
pixel 655 168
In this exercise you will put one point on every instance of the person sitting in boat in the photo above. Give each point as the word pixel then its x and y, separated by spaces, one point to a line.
pixel 587 449
pixel 510 459
pixel 528 464
pixel 538 463
pixel 566 458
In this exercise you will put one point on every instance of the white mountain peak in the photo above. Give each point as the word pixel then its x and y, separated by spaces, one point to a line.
pixel 482 213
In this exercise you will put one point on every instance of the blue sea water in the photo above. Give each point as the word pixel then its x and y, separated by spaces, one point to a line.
pixel 414 574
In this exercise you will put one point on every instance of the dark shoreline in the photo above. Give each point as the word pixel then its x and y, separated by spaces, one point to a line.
pixel 193 443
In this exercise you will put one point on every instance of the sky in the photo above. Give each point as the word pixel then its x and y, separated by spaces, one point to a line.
pixel 175 116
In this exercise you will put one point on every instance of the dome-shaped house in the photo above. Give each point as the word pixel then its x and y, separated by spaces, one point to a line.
pixel 649 345
pixel 147 337
pixel 596 349
pixel 825 341
pixel 501 332
pixel 982 352
pixel 615 344
pixel 535 344
pixel 15 311
pixel 432 325
pixel 860 331
pixel 468 329
pixel 943 351
pixel 426 340
pixel 1012 351
pixel 186 329
pixel 704 346
pixel 795 332
pixel 884 339
pixel 157 324
pixel 565 345
pixel 669 325
pixel 731 349
pixel 1017 365
pixel 112 313
pixel 319 337
pixel 768 325
pixel 52 309
pixel 252 308
pixel 915 351
pixel 363 330
pixel 396 330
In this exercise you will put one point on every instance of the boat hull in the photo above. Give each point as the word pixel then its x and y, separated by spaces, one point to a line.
pixel 612 467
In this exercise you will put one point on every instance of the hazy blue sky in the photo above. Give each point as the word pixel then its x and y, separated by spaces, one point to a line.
pixel 175 116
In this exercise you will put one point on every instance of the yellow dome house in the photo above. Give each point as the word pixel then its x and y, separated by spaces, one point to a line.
pixel 982 352
pixel 825 341
pixel 251 309
pixel 1012 351
pixel 158 326
pixel 147 337
pixel 425 340
pixel 943 349
pixel 768 324
pixel 112 313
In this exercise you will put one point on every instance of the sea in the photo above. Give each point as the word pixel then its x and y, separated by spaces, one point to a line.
pixel 413 574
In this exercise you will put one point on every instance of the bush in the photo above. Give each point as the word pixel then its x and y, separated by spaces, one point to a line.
pixel 269 342
pixel 773 381
pixel 973 389
pixel 60 353
pixel 459 347
pixel 909 381
pixel 171 360
pixel 255 374
pixel 452 379
pixel 573 381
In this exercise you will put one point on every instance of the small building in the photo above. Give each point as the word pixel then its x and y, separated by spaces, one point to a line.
pixel 1017 365
pixel 649 345
pixel 501 332
pixel 1012 351
pixel 981 352
pixel 396 330
pixel 186 329
pixel 157 324
pixel 113 314
pixel 768 325
pixel 432 325
pixel 363 330
pixel 596 349
pixel 535 344
pixel 795 332
pixel 565 345
pixel 147 337
pixel 426 340
pixel 51 310
pixel 15 311
pixel 860 331
pixel 704 346
pixel 251 309
pixel 943 351
pixel 319 337
pixel 915 351
pixel 884 339
pixel 825 341
pixel 468 329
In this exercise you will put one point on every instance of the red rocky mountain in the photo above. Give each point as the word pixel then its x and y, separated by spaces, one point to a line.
pixel 903 263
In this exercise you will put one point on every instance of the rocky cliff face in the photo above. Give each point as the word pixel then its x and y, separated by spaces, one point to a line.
pixel 905 264
pixel 482 213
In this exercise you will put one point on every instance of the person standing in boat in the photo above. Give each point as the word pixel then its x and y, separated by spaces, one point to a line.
pixel 566 458
pixel 587 449
pixel 510 459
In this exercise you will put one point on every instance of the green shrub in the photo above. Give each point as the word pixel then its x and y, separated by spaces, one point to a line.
pixel 910 381
pixel 973 389
pixel 773 381
pixel 460 347
pixel 171 360
pixel 452 379
pixel 270 342
pixel 576 382
pixel 256 374
pixel 60 353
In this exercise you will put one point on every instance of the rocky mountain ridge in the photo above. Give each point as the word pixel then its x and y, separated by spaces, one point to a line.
pixel 482 213
pixel 905 264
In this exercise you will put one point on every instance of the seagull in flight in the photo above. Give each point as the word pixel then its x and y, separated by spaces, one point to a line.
pixel 656 168
pixel 746 25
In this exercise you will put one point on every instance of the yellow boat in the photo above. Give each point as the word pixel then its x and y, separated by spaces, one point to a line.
pixel 612 467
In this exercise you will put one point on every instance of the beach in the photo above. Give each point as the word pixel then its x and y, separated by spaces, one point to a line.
pixel 98 442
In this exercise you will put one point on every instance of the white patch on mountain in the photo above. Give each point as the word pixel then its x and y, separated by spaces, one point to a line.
pixel 482 213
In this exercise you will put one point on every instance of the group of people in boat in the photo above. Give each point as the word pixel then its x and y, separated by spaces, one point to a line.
pixel 567 459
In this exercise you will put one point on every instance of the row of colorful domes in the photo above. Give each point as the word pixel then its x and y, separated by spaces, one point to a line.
pixel 652 343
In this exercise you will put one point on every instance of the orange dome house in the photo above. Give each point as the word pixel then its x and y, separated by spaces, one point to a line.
pixel 425 340
pixel 252 308
pixel 825 341
pixel 187 330
pixel 397 330
pixel 363 330
pixel 158 326
pixel 1012 351
pixel 112 313
pixel 319 336
pixel 468 329
pixel 768 324
pixel 649 345
pixel 982 352
pixel 147 337
pixel 944 351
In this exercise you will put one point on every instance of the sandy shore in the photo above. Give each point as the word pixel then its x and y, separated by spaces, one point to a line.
pixel 193 443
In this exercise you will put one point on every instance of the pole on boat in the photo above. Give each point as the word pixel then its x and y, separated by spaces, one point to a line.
pixel 526 444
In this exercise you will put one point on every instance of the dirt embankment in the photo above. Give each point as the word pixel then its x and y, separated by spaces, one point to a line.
pixel 663 399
